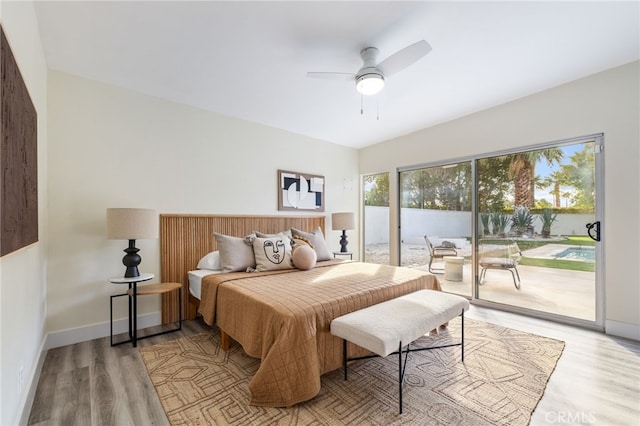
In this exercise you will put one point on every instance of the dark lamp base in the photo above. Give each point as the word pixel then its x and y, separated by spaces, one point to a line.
pixel 131 260
pixel 343 242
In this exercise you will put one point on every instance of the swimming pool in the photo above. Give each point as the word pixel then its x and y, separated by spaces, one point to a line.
pixel 580 254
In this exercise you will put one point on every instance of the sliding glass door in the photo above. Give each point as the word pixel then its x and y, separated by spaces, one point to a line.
pixel 534 250
pixel 516 229
pixel 436 223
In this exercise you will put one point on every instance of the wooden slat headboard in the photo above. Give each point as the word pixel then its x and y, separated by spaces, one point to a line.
pixel 185 238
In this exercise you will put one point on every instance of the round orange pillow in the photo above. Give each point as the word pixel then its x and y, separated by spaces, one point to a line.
pixel 304 257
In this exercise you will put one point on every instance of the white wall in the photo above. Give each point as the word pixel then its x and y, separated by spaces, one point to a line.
pixel 449 224
pixel 416 223
pixel 110 147
pixel 607 103
pixel 375 223
pixel 23 272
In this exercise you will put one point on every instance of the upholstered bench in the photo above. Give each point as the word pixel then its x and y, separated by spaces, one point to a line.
pixel 386 327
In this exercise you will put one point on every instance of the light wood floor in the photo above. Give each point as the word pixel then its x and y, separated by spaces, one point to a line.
pixel 92 383
pixel 596 382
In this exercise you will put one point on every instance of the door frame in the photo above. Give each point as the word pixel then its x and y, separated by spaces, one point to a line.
pixel 599 214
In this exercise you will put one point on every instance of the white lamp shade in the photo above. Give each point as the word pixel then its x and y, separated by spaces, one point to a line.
pixel 343 221
pixel 132 224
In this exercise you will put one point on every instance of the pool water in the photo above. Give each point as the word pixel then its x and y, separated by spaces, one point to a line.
pixel 582 254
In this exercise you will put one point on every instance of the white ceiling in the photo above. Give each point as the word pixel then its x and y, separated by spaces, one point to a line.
pixel 249 59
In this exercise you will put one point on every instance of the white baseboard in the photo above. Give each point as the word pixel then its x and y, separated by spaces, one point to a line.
pixel 30 395
pixel 623 329
pixel 96 331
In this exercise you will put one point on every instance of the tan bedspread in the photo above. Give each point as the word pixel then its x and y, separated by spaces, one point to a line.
pixel 283 318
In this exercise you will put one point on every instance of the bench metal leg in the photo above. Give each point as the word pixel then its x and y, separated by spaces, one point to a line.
pixel 403 366
pixel 400 376
pixel 344 357
pixel 462 335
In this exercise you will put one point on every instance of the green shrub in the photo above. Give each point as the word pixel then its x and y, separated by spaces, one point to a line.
pixel 522 220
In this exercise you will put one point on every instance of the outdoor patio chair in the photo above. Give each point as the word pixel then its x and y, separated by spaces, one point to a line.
pixel 438 252
pixel 505 257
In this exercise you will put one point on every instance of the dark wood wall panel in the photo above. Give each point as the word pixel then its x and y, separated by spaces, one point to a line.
pixel 18 157
pixel 184 239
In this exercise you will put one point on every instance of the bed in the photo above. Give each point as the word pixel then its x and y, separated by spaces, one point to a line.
pixel 283 317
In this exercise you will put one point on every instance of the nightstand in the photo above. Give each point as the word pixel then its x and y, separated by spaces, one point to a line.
pixel 133 292
pixel 343 253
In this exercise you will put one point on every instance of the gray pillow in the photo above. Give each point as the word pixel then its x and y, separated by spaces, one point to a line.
pixel 236 254
pixel 316 238
pixel 277 234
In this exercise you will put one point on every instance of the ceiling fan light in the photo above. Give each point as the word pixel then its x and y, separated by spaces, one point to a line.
pixel 369 84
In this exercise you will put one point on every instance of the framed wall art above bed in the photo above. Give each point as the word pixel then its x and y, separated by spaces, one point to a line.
pixel 300 191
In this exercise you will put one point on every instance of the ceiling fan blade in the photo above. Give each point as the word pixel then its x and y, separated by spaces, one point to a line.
pixel 331 75
pixel 405 57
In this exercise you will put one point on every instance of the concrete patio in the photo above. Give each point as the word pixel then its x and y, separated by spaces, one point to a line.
pixel 558 291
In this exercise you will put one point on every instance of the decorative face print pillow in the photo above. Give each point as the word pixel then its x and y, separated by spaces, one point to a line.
pixel 272 253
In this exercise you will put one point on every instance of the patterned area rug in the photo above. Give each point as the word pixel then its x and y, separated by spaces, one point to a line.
pixel 500 383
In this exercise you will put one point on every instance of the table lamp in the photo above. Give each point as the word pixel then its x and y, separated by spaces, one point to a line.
pixel 132 225
pixel 342 222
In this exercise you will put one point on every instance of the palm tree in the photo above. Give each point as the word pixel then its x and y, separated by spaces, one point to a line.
pixel 522 170
pixel 556 179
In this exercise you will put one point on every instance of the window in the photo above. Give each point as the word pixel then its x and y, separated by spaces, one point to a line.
pixel 376 218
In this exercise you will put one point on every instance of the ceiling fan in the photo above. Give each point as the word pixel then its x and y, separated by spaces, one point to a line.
pixel 370 77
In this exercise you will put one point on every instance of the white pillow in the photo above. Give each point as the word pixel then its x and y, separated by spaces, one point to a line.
pixel 236 254
pixel 272 253
pixel 210 261
pixel 316 238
